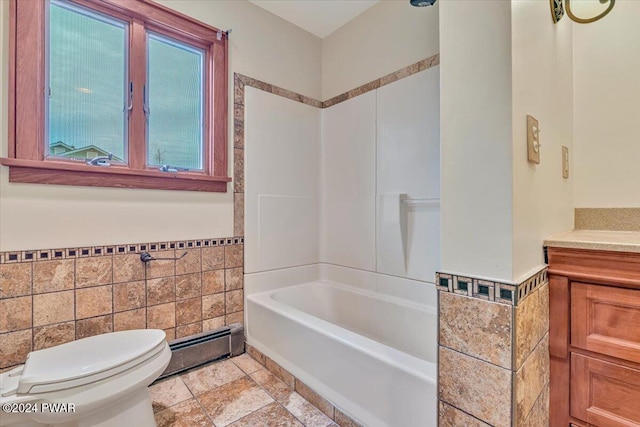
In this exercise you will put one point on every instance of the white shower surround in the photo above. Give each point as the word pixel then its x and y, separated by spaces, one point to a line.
pixel 368 346
pixel 364 340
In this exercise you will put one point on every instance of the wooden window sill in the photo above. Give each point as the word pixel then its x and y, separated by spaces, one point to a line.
pixel 63 173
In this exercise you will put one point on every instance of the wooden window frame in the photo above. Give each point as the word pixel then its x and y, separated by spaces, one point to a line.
pixel 26 157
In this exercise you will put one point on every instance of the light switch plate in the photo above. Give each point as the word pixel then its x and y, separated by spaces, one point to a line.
pixel 565 161
pixel 533 140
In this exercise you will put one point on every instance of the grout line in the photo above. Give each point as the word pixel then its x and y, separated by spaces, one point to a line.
pixel 546 384
pixel 476 358
pixel 206 413
pixel 464 412
pixel 514 368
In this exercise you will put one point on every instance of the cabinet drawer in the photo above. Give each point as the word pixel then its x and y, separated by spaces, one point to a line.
pixel 606 320
pixel 604 394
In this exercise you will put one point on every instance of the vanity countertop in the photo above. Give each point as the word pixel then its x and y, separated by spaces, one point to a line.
pixel 621 241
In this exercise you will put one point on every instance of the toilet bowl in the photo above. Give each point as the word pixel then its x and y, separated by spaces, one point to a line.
pixel 100 381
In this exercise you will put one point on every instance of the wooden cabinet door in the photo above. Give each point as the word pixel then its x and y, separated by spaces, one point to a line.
pixel 604 394
pixel 606 320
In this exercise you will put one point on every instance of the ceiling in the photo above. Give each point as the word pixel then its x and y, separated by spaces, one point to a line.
pixel 319 17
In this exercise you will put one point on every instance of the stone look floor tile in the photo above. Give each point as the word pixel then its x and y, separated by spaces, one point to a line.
pixel 226 396
pixel 276 388
pixel 247 363
pixel 306 412
pixel 272 415
pixel 168 393
pixel 185 414
pixel 234 400
pixel 211 376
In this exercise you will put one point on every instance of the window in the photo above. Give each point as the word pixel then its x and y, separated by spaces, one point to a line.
pixel 130 82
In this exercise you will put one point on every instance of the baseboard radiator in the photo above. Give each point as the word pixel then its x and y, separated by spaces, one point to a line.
pixel 196 350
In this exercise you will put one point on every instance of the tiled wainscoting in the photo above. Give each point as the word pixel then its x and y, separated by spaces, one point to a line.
pixel 52 297
pixel 493 367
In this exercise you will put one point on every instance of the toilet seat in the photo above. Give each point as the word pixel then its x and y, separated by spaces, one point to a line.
pixel 88 360
pixel 105 377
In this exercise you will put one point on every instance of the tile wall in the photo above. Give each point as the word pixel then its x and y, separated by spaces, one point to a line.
pixel 53 297
pixel 493 352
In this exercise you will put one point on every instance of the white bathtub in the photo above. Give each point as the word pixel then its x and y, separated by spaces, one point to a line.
pixel 371 354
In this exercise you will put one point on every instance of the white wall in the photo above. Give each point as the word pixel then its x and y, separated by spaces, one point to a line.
pixel 46 216
pixel 499 62
pixel 542 87
pixel 476 133
pixel 389 36
pixel 282 183
pixel 375 148
pixel 607 109
pixel 348 182
pixel 408 162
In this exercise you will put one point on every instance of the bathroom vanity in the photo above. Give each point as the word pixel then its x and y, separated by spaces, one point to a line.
pixel 594 345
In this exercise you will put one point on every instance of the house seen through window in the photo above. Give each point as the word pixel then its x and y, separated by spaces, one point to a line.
pixel 89 90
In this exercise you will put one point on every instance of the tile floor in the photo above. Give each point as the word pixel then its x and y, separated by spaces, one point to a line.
pixel 238 392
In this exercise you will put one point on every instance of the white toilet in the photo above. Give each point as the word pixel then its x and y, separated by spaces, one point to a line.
pixel 102 380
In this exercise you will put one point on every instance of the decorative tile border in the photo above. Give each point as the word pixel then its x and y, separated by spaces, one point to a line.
pixel 241 81
pixel 50 297
pixel 506 293
pixel 122 249
pixel 268 87
pixel 494 348
pixel 432 61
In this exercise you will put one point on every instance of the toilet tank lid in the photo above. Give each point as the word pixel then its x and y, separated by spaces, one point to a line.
pixel 88 356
